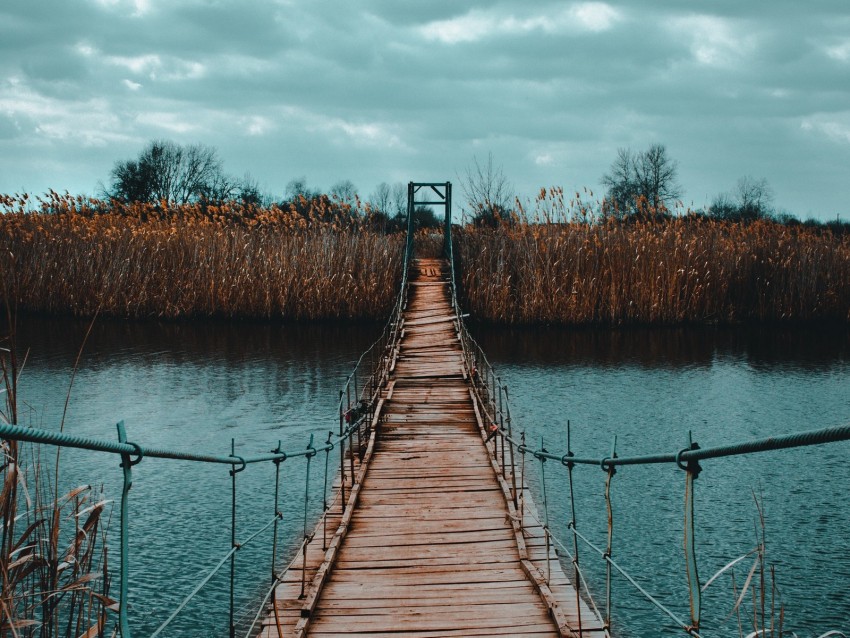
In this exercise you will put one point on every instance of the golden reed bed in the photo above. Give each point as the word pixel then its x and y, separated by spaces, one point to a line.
pixel 667 272
pixel 190 261
pixel 319 260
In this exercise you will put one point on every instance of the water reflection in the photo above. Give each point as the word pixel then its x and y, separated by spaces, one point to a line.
pixel 679 347
pixel 55 342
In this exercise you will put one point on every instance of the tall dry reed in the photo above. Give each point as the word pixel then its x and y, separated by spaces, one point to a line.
pixel 73 255
pixel 53 553
pixel 668 272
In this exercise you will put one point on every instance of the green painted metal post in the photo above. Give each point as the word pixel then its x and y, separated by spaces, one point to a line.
pixel 447 236
pixel 572 525
pixel 692 470
pixel 410 210
pixel 126 465
pixel 611 471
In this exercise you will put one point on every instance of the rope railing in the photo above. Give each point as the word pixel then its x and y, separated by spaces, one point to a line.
pixel 492 398
pixel 359 395
pixel 686 460
pixel 132 454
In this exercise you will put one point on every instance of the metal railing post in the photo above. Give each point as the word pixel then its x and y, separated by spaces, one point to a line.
pixel 126 465
pixel 502 425
pixel 233 544
pixel 511 449
pixel 328 447
pixel 572 526
pixel 341 455
pixel 611 471
pixel 410 209
pixel 351 446
pixel 306 538
pixel 543 451
pixel 692 470
pixel 522 449
pixel 277 511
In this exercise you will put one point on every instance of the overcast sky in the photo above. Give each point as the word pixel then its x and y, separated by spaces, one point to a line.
pixel 396 90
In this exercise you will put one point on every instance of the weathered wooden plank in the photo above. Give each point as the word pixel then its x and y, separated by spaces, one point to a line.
pixel 431 549
pixel 482 597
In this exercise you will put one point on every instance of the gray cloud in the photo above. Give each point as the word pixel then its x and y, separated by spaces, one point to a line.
pixel 387 90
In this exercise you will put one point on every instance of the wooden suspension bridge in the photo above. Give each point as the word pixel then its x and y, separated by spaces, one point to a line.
pixel 432 531
pixel 430 542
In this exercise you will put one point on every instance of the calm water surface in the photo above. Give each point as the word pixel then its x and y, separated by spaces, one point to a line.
pixel 649 388
pixel 193 387
pixel 197 386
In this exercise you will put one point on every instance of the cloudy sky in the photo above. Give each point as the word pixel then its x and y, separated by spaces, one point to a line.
pixel 397 90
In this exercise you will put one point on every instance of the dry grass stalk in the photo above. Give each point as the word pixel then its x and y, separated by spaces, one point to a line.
pixel 53 565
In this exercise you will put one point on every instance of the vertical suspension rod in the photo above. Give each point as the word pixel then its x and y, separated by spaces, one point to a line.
pixel 572 526
pixel 611 470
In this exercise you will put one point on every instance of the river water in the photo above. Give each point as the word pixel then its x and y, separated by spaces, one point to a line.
pixel 196 386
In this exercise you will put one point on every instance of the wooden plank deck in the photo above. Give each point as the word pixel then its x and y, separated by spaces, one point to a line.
pixel 433 546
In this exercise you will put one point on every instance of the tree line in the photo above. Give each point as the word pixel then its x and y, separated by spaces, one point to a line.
pixel 165 171
pixel 639 185
pixel 643 184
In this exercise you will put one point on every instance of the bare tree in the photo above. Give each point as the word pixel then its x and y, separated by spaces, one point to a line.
pixel 164 159
pixel 656 177
pixel 248 191
pixel 297 187
pixel 345 191
pixel 641 183
pixel 200 173
pixel 166 171
pixel 751 199
pixel 621 182
pixel 754 195
pixel 380 201
pixel 218 187
pixel 398 200
pixel 488 192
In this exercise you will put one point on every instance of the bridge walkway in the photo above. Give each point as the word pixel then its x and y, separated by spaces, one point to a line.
pixel 432 547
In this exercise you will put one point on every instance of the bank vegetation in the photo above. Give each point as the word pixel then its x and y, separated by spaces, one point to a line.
pixel 653 271
pixel 321 258
pixel 311 260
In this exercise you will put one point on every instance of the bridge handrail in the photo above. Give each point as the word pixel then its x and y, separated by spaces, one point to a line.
pixel 768 444
pixel 138 452
pixel 359 394
pixel 62 439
